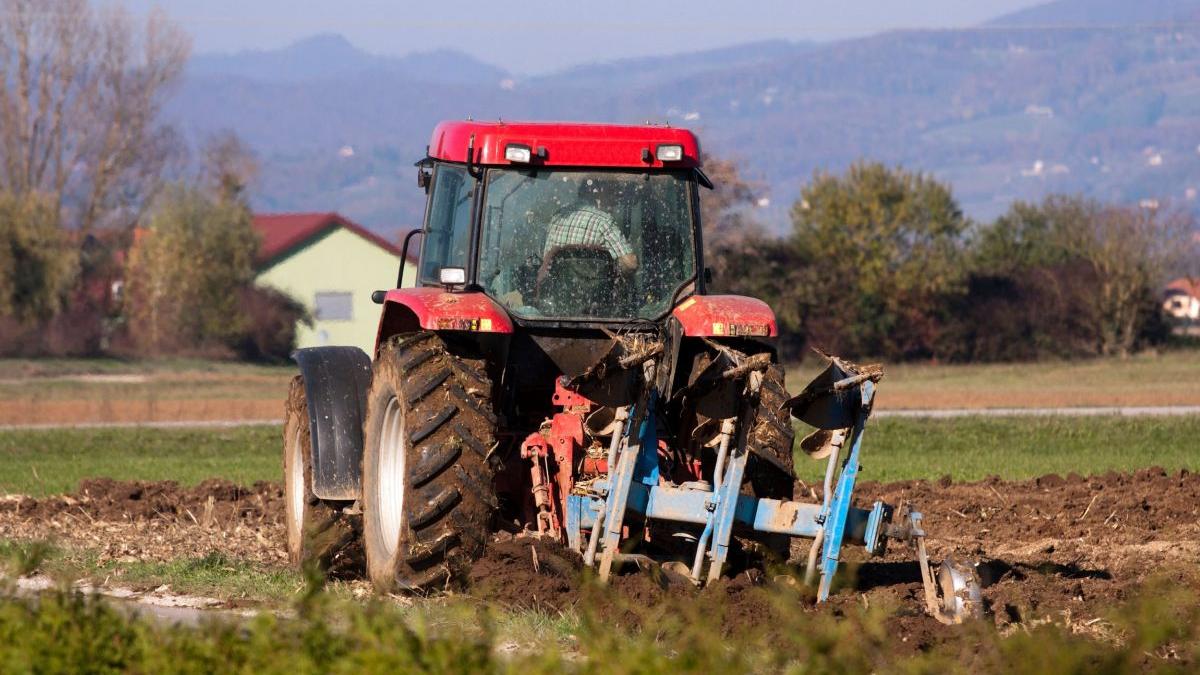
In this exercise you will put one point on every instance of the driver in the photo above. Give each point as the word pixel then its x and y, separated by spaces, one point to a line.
pixel 590 223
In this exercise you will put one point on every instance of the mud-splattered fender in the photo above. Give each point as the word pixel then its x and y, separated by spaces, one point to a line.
pixel 428 308
pixel 725 316
pixel 335 387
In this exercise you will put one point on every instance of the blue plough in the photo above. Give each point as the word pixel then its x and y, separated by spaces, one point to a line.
pixel 838 403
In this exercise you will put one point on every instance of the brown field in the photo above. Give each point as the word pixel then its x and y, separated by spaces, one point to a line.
pixel 1056 549
pixel 76 392
pixel 107 410
pixel 193 392
pixel 1167 379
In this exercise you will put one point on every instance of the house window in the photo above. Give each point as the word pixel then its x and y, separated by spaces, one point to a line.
pixel 332 306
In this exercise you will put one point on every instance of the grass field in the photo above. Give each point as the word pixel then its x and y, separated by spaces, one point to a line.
pixel 972 448
pixel 335 630
pixel 210 575
pixel 52 461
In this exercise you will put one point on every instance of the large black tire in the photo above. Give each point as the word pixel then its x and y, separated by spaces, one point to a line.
pixel 318 532
pixel 772 467
pixel 770 471
pixel 428 497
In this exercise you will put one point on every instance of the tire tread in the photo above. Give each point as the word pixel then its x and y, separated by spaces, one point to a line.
pixel 447 410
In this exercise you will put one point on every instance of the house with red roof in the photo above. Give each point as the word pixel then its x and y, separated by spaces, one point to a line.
pixel 329 264
pixel 1181 299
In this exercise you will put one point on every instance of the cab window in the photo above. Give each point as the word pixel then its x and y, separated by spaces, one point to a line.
pixel 447 237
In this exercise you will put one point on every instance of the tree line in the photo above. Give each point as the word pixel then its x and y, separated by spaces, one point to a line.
pixel 881 262
pixel 115 235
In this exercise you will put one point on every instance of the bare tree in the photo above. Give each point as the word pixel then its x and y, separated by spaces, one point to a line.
pixel 80 96
pixel 1132 250
pixel 726 213
pixel 228 166
pixel 1111 260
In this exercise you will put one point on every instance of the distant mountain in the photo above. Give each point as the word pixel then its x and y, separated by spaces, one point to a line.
pixel 1039 102
pixel 327 56
pixel 648 70
pixel 1102 13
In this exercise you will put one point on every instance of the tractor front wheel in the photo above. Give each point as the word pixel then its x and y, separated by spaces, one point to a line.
pixel 428 497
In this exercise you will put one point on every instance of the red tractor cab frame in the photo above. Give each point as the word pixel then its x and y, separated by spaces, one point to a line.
pixel 483 145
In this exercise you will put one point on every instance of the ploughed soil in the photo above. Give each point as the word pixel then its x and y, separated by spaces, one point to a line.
pixel 130 521
pixel 1066 549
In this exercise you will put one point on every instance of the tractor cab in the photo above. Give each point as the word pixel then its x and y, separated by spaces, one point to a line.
pixel 554 222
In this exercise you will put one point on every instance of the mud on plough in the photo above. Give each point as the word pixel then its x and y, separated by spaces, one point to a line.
pixel 588 494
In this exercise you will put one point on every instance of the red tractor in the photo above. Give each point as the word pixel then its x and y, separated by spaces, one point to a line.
pixel 561 371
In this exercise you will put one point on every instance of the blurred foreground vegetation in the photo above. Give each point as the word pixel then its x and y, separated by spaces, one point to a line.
pixel 64 631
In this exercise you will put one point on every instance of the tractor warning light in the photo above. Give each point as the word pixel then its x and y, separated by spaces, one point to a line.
pixel 518 153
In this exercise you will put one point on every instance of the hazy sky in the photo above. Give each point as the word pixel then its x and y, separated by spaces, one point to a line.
pixel 531 36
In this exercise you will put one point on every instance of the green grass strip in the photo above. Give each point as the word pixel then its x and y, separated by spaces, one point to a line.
pixel 972 448
pixel 50 462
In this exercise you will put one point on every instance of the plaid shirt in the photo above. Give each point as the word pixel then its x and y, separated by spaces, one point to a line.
pixel 586 226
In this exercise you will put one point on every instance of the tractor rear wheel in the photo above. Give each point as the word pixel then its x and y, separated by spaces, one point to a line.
pixel 317 531
pixel 772 469
pixel 428 497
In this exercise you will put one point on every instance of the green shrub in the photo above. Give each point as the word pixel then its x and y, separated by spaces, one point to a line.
pixel 63 631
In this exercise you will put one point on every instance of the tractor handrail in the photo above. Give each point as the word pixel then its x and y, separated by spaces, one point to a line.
pixel 404 255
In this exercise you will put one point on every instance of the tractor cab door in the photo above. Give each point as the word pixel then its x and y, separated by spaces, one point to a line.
pixel 447 239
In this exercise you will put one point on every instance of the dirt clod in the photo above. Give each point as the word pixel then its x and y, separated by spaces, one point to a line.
pixel 528 573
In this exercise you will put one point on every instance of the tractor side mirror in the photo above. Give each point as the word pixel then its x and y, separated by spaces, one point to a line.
pixel 424 176
pixel 708 275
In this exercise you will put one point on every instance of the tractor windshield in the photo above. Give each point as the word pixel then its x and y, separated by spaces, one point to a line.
pixel 586 244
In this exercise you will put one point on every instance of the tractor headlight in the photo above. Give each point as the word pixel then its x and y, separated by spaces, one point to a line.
pixel 520 154
pixel 669 153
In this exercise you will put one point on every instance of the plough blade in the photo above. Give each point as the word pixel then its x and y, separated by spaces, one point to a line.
pixel 828 401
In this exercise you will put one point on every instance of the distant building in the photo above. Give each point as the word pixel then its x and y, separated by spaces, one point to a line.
pixel 330 265
pixel 1034 110
pixel 1181 299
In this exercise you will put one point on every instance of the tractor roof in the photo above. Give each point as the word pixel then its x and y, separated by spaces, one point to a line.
pixel 566 144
